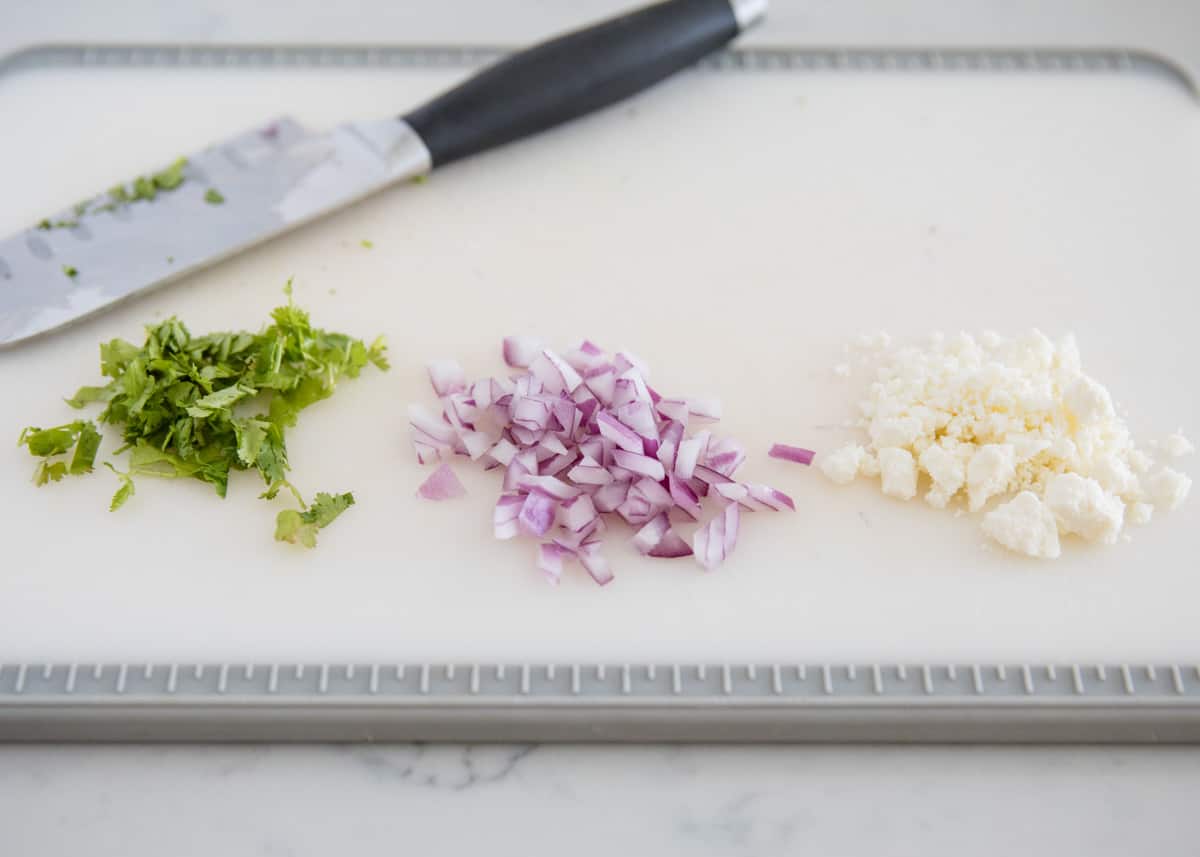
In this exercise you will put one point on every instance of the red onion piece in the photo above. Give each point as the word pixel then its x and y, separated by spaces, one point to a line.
pixel 713 542
pixel 608 498
pixel 520 351
pixel 704 408
pixel 548 485
pixel 597 566
pixel 643 465
pixel 616 431
pixel 626 360
pixel 503 451
pixel 684 497
pixel 690 452
pixel 603 384
pixel 550 560
pixel 768 496
pixel 504 516
pixel 588 472
pixel 578 512
pixel 796 454
pixel 639 416
pixel 442 484
pixel 537 513
pixel 673 409
pixel 447 377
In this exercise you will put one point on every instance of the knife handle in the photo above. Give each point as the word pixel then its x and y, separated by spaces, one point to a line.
pixel 576 73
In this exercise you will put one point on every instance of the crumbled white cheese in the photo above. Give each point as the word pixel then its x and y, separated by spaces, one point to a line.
pixel 1169 488
pixel 842 465
pixel 989 473
pixel 1083 507
pixel 899 473
pixel 947 471
pixel 1177 446
pixel 1024 525
pixel 1088 402
pixel 1139 513
pixel 990 417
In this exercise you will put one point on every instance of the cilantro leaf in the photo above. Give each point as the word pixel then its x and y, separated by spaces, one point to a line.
pixel 124 492
pixel 213 196
pixel 87 395
pixel 301 527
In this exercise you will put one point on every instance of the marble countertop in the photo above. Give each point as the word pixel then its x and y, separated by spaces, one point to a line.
pixel 583 801
pixel 662 800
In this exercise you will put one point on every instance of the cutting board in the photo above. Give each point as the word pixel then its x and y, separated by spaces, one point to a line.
pixel 733 229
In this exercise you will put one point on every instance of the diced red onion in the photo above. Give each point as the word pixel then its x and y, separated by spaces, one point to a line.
pixel 708 409
pixel 640 417
pixel 557 464
pixel 504 517
pixel 713 542
pixel 620 434
pixel 554 373
pixel 768 496
pixel 478 443
pixel 671 547
pixel 577 512
pixel 684 497
pixel 537 513
pixel 548 485
pixel 597 566
pixel 434 430
pixel 520 351
pixel 442 484
pixel 588 472
pixel 712 477
pixel 503 451
pixel 550 560
pixel 796 454
pixel 626 360
pixel 673 409
pixel 643 465
pixel 580 437
pixel 447 377
pixel 603 385
pixel 689 454
pixel 608 498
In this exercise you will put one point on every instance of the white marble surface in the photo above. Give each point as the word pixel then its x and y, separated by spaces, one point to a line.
pixel 582 801
pixel 260 800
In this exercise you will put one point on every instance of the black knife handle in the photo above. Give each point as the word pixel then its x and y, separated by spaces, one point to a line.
pixel 575 74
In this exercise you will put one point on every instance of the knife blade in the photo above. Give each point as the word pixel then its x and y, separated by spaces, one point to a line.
pixel 273 178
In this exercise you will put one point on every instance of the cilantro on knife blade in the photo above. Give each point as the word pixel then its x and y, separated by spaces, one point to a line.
pixel 202 406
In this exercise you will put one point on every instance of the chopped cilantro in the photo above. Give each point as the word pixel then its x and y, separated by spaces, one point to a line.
pixel 170 260
pixel 368 244
pixel 213 196
pixel 421 179
pixel 70 270
pixel 200 407
pixel 80 439
pixel 45 224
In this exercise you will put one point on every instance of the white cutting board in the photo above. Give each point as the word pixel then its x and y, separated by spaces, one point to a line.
pixel 733 230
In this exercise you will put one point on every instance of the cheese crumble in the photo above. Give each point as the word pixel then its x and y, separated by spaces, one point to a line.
pixel 981 420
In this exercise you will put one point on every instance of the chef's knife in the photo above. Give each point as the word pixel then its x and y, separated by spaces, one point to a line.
pixel 271 179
